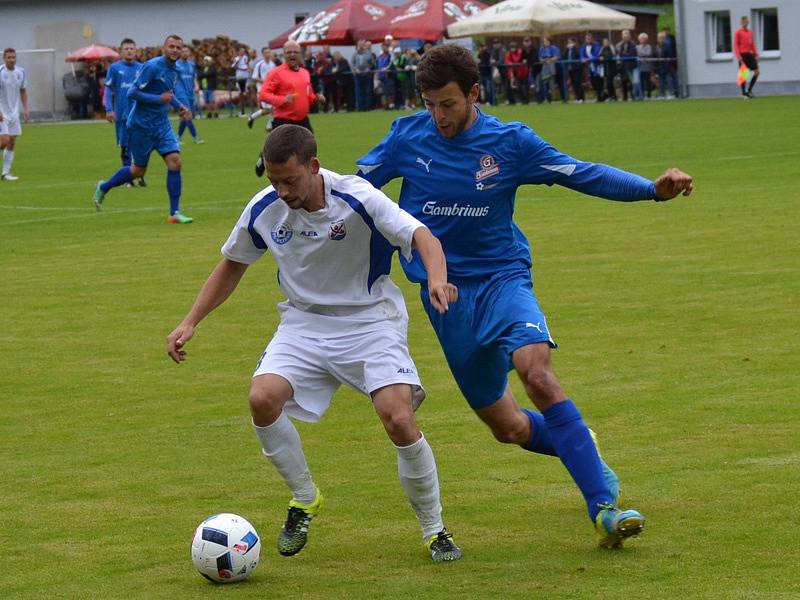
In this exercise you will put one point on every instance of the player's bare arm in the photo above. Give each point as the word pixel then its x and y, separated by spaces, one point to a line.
pixel 217 288
pixel 673 182
pixel 441 292
pixel 23 96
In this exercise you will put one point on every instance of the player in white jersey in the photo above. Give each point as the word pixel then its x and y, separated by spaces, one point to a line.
pixel 12 95
pixel 344 322
pixel 260 71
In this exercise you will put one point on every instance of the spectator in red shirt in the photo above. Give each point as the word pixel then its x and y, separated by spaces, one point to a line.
pixel 517 73
pixel 745 49
pixel 288 89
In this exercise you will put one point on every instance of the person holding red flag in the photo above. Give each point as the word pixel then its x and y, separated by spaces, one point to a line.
pixel 744 48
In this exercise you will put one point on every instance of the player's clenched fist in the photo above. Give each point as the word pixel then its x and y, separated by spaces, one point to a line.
pixel 673 182
pixel 176 341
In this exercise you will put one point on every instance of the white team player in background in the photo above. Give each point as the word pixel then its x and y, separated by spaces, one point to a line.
pixel 261 69
pixel 12 94
pixel 344 322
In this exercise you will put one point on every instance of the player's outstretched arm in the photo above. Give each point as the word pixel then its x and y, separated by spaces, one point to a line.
pixel 441 292
pixel 673 182
pixel 217 288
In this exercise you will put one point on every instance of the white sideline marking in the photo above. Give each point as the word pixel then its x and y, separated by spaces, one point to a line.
pixel 89 212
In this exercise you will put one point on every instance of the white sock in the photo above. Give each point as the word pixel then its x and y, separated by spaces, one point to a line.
pixel 8 158
pixel 256 114
pixel 417 469
pixel 281 445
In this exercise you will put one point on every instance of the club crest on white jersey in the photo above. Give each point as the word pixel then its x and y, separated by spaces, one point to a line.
pixel 338 231
pixel 282 233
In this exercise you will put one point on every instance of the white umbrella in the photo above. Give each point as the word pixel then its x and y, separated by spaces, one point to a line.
pixel 541 17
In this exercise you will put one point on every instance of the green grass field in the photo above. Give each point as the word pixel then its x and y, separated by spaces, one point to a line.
pixel 678 331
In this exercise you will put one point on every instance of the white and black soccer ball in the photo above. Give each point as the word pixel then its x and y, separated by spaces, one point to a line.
pixel 225 548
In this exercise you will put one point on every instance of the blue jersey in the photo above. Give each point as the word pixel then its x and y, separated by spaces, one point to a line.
pixel 463 188
pixel 156 77
pixel 187 71
pixel 119 79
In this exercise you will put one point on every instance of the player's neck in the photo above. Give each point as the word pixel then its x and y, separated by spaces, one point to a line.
pixel 472 118
pixel 316 200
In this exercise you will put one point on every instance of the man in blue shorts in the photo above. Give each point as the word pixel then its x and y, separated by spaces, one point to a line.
pixel 119 79
pixel 184 92
pixel 149 128
pixel 461 169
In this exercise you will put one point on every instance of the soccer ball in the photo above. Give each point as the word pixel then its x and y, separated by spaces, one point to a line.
pixel 225 548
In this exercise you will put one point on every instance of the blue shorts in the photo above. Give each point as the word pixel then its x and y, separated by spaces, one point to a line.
pixel 142 141
pixel 479 333
pixel 122 133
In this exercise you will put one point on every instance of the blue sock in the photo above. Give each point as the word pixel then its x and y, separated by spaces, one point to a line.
pixel 192 130
pixel 174 191
pixel 181 128
pixel 540 441
pixel 576 450
pixel 121 177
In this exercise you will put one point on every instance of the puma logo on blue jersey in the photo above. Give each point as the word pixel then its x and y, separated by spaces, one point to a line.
pixel 427 165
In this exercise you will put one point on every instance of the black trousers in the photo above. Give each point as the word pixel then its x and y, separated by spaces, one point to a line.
pixel 304 123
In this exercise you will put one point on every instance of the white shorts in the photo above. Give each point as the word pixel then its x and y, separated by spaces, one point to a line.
pixel 264 105
pixel 10 125
pixel 316 367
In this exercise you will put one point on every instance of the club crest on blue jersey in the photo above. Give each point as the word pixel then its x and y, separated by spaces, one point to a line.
pixel 488 168
pixel 282 233
pixel 338 230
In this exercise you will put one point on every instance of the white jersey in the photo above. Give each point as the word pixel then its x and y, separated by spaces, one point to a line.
pixel 242 66
pixel 261 69
pixel 11 82
pixel 333 263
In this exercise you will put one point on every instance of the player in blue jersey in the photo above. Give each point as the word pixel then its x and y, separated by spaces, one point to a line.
pixel 119 79
pixel 184 91
pixel 149 128
pixel 461 169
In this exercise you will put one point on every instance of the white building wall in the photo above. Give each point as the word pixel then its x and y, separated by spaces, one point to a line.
pixel 713 77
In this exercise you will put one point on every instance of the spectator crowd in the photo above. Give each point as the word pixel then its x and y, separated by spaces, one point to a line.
pixel 384 75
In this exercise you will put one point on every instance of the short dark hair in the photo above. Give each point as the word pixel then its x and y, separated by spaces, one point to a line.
pixel 126 41
pixel 173 36
pixel 264 48
pixel 287 141
pixel 443 64
pixel 8 51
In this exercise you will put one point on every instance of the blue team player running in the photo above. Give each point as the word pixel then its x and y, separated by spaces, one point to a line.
pixel 461 169
pixel 184 92
pixel 119 79
pixel 149 128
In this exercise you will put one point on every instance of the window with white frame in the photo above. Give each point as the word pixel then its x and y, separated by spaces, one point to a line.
pixel 718 35
pixel 765 30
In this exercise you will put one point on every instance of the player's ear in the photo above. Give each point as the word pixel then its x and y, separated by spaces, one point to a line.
pixel 314 165
pixel 474 93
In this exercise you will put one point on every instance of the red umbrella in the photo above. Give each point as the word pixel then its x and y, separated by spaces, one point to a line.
pixel 93 52
pixel 336 25
pixel 422 19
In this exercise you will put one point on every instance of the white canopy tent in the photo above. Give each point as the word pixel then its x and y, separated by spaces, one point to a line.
pixel 541 17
